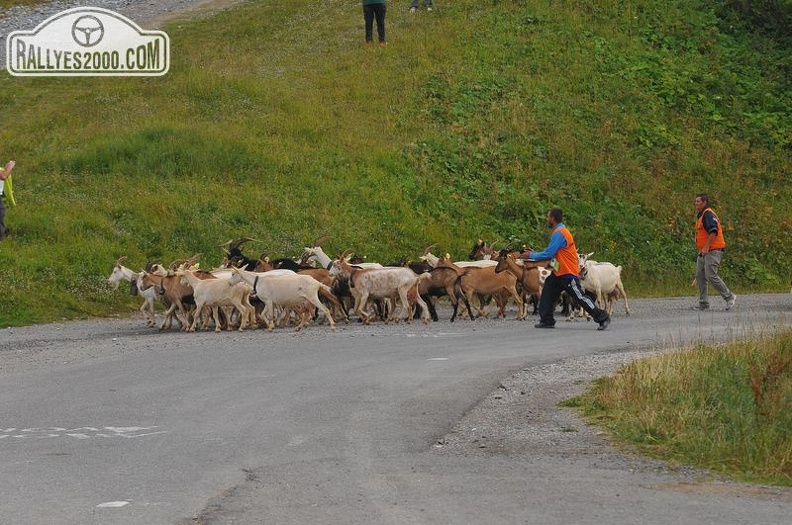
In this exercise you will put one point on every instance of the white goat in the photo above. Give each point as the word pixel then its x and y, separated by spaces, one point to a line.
pixel 381 283
pixel 122 273
pixel 317 254
pixel 285 290
pixel 604 280
pixel 214 293
pixel 433 260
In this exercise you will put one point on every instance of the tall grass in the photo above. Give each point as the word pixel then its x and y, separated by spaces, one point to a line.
pixel 275 122
pixel 723 408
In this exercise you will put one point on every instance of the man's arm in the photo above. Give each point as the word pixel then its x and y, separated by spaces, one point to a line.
pixel 557 241
pixel 5 172
pixel 710 223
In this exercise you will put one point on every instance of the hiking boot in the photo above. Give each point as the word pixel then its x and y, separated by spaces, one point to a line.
pixel 544 325
pixel 730 302
pixel 604 324
pixel 701 306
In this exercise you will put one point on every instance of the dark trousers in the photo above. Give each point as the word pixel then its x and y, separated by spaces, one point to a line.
pixel 370 12
pixel 551 291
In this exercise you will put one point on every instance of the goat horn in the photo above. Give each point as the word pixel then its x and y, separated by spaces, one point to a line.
pixel 239 242
pixel 118 261
pixel 176 263
pixel 426 250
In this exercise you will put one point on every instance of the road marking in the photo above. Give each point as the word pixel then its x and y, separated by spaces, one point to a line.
pixel 437 359
pixel 79 433
pixel 437 335
pixel 112 505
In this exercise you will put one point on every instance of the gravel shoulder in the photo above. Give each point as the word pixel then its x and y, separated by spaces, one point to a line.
pixel 523 418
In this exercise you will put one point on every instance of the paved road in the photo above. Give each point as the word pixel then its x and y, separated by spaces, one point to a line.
pixel 106 422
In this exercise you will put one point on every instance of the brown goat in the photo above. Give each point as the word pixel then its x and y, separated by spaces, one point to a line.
pixel 484 281
pixel 175 295
pixel 527 274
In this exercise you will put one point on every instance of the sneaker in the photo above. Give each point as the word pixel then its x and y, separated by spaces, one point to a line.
pixel 730 302
pixel 604 324
pixel 544 325
pixel 701 306
pixel 429 9
pixel 413 9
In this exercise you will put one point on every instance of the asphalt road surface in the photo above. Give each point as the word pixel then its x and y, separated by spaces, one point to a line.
pixel 108 422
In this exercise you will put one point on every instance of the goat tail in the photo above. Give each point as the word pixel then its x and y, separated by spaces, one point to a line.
pixel 327 292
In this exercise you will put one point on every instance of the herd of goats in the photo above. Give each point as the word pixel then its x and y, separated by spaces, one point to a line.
pixel 248 293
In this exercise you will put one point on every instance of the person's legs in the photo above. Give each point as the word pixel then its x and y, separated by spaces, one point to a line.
pixel 701 280
pixel 550 292
pixel 368 17
pixel 379 13
pixel 711 266
pixel 576 291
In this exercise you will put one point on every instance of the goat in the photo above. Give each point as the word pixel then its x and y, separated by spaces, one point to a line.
pixel 484 281
pixel 235 257
pixel 603 279
pixel 213 292
pixel 433 260
pixel 285 290
pixel 444 281
pixel 175 295
pixel 380 283
pixel 122 273
pixel 527 273
pixel 318 254
pixel 320 274
pixel 481 250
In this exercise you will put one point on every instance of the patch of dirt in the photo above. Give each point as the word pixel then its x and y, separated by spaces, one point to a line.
pixel 197 8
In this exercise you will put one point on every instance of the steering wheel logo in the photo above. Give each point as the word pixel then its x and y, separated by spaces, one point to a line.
pixel 87 31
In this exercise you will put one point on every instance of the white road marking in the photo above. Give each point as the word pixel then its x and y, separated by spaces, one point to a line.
pixel 437 335
pixel 79 433
pixel 437 359
pixel 112 505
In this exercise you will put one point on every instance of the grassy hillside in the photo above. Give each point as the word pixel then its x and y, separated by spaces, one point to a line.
pixel 275 122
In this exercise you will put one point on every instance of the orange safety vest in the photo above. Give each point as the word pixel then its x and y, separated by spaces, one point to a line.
pixel 702 235
pixel 568 262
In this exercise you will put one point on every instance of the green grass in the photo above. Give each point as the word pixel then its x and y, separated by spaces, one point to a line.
pixel 723 408
pixel 474 121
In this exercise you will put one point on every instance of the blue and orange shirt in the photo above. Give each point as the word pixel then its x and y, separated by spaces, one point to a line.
pixel 562 248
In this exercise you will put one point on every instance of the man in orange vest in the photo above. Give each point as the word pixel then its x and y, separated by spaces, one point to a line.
pixel 710 245
pixel 566 274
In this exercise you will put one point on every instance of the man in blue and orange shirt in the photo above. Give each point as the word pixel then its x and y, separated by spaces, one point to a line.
pixel 566 274
pixel 710 245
